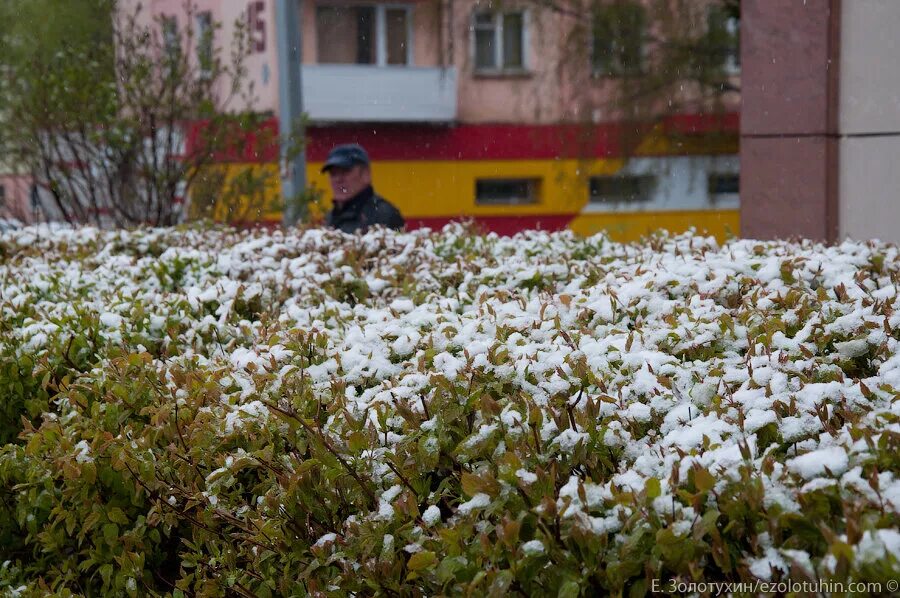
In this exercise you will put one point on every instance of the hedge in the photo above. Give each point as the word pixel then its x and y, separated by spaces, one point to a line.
pixel 209 412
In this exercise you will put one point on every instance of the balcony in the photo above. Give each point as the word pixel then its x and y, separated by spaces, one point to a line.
pixel 364 93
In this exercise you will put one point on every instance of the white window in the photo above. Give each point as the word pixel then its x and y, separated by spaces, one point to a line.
pixel 499 41
pixel 506 192
pixel 366 34
pixel 621 189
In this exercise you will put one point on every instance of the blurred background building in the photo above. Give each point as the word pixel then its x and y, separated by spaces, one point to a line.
pixel 517 114
pixel 759 118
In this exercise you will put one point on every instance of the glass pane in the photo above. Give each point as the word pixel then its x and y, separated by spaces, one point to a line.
pixel 733 26
pixel 625 189
pixel 512 41
pixel 720 184
pixel 631 35
pixel 332 25
pixel 601 45
pixel 484 49
pixel 397 42
pixel 204 40
pixel 484 19
pixel 365 34
pixel 170 38
pixel 335 41
pixel 505 191
pixel 618 44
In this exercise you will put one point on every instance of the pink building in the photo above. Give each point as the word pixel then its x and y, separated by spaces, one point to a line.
pixel 15 196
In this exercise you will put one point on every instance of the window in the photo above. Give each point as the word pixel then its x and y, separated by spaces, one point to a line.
pixel 256 26
pixel 2 196
pixel 617 41
pixel 376 34
pixel 205 42
pixel 506 192
pixel 499 41
pixel 723 186
pixel 171 41
pixel 724 38
pixel 629 189
pixel 397 36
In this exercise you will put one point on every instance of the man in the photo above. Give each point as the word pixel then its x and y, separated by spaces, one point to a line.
pixel 356 206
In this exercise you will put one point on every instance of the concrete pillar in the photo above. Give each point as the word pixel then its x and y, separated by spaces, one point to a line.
pixel 820 123
pixel 870 120
pixel 789 118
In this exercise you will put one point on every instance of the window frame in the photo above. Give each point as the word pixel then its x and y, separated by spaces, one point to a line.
pixel 381 45
pixel 645 198
pixel 534 191
pixel 497 26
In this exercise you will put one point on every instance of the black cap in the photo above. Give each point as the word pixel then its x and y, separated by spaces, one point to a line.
pixel 346 156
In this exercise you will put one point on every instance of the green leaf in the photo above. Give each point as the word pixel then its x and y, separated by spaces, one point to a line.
pixel 116 515
pixel 471 484
pixel 357 442
pixel 421 560
pixel 570 589
pixel 652 488
pixel 111 533
pixel 703 480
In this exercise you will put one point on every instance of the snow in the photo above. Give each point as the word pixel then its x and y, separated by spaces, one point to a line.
pixel 813 464
pixel 479 501
pixel 875 546
pixel 763 567
pixel 83 452
pixel 235 419
pixel 568 439
pixel 851 349
pixel 431 516
pixel 526 476
pixel 533 548
pixel 111 320
pixel 328 538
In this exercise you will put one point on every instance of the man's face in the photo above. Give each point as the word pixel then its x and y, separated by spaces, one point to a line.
pixel 347 182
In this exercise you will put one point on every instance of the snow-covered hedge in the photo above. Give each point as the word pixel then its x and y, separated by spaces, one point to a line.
pixel 205 413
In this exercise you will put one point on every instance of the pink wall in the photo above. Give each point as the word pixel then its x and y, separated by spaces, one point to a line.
pixel 17 195
pixel 789 143
pixel 262 63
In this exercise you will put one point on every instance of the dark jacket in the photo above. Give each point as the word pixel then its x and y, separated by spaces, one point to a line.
pixel 362 211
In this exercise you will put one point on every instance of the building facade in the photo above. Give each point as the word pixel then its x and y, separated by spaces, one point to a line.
pixel 501 112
